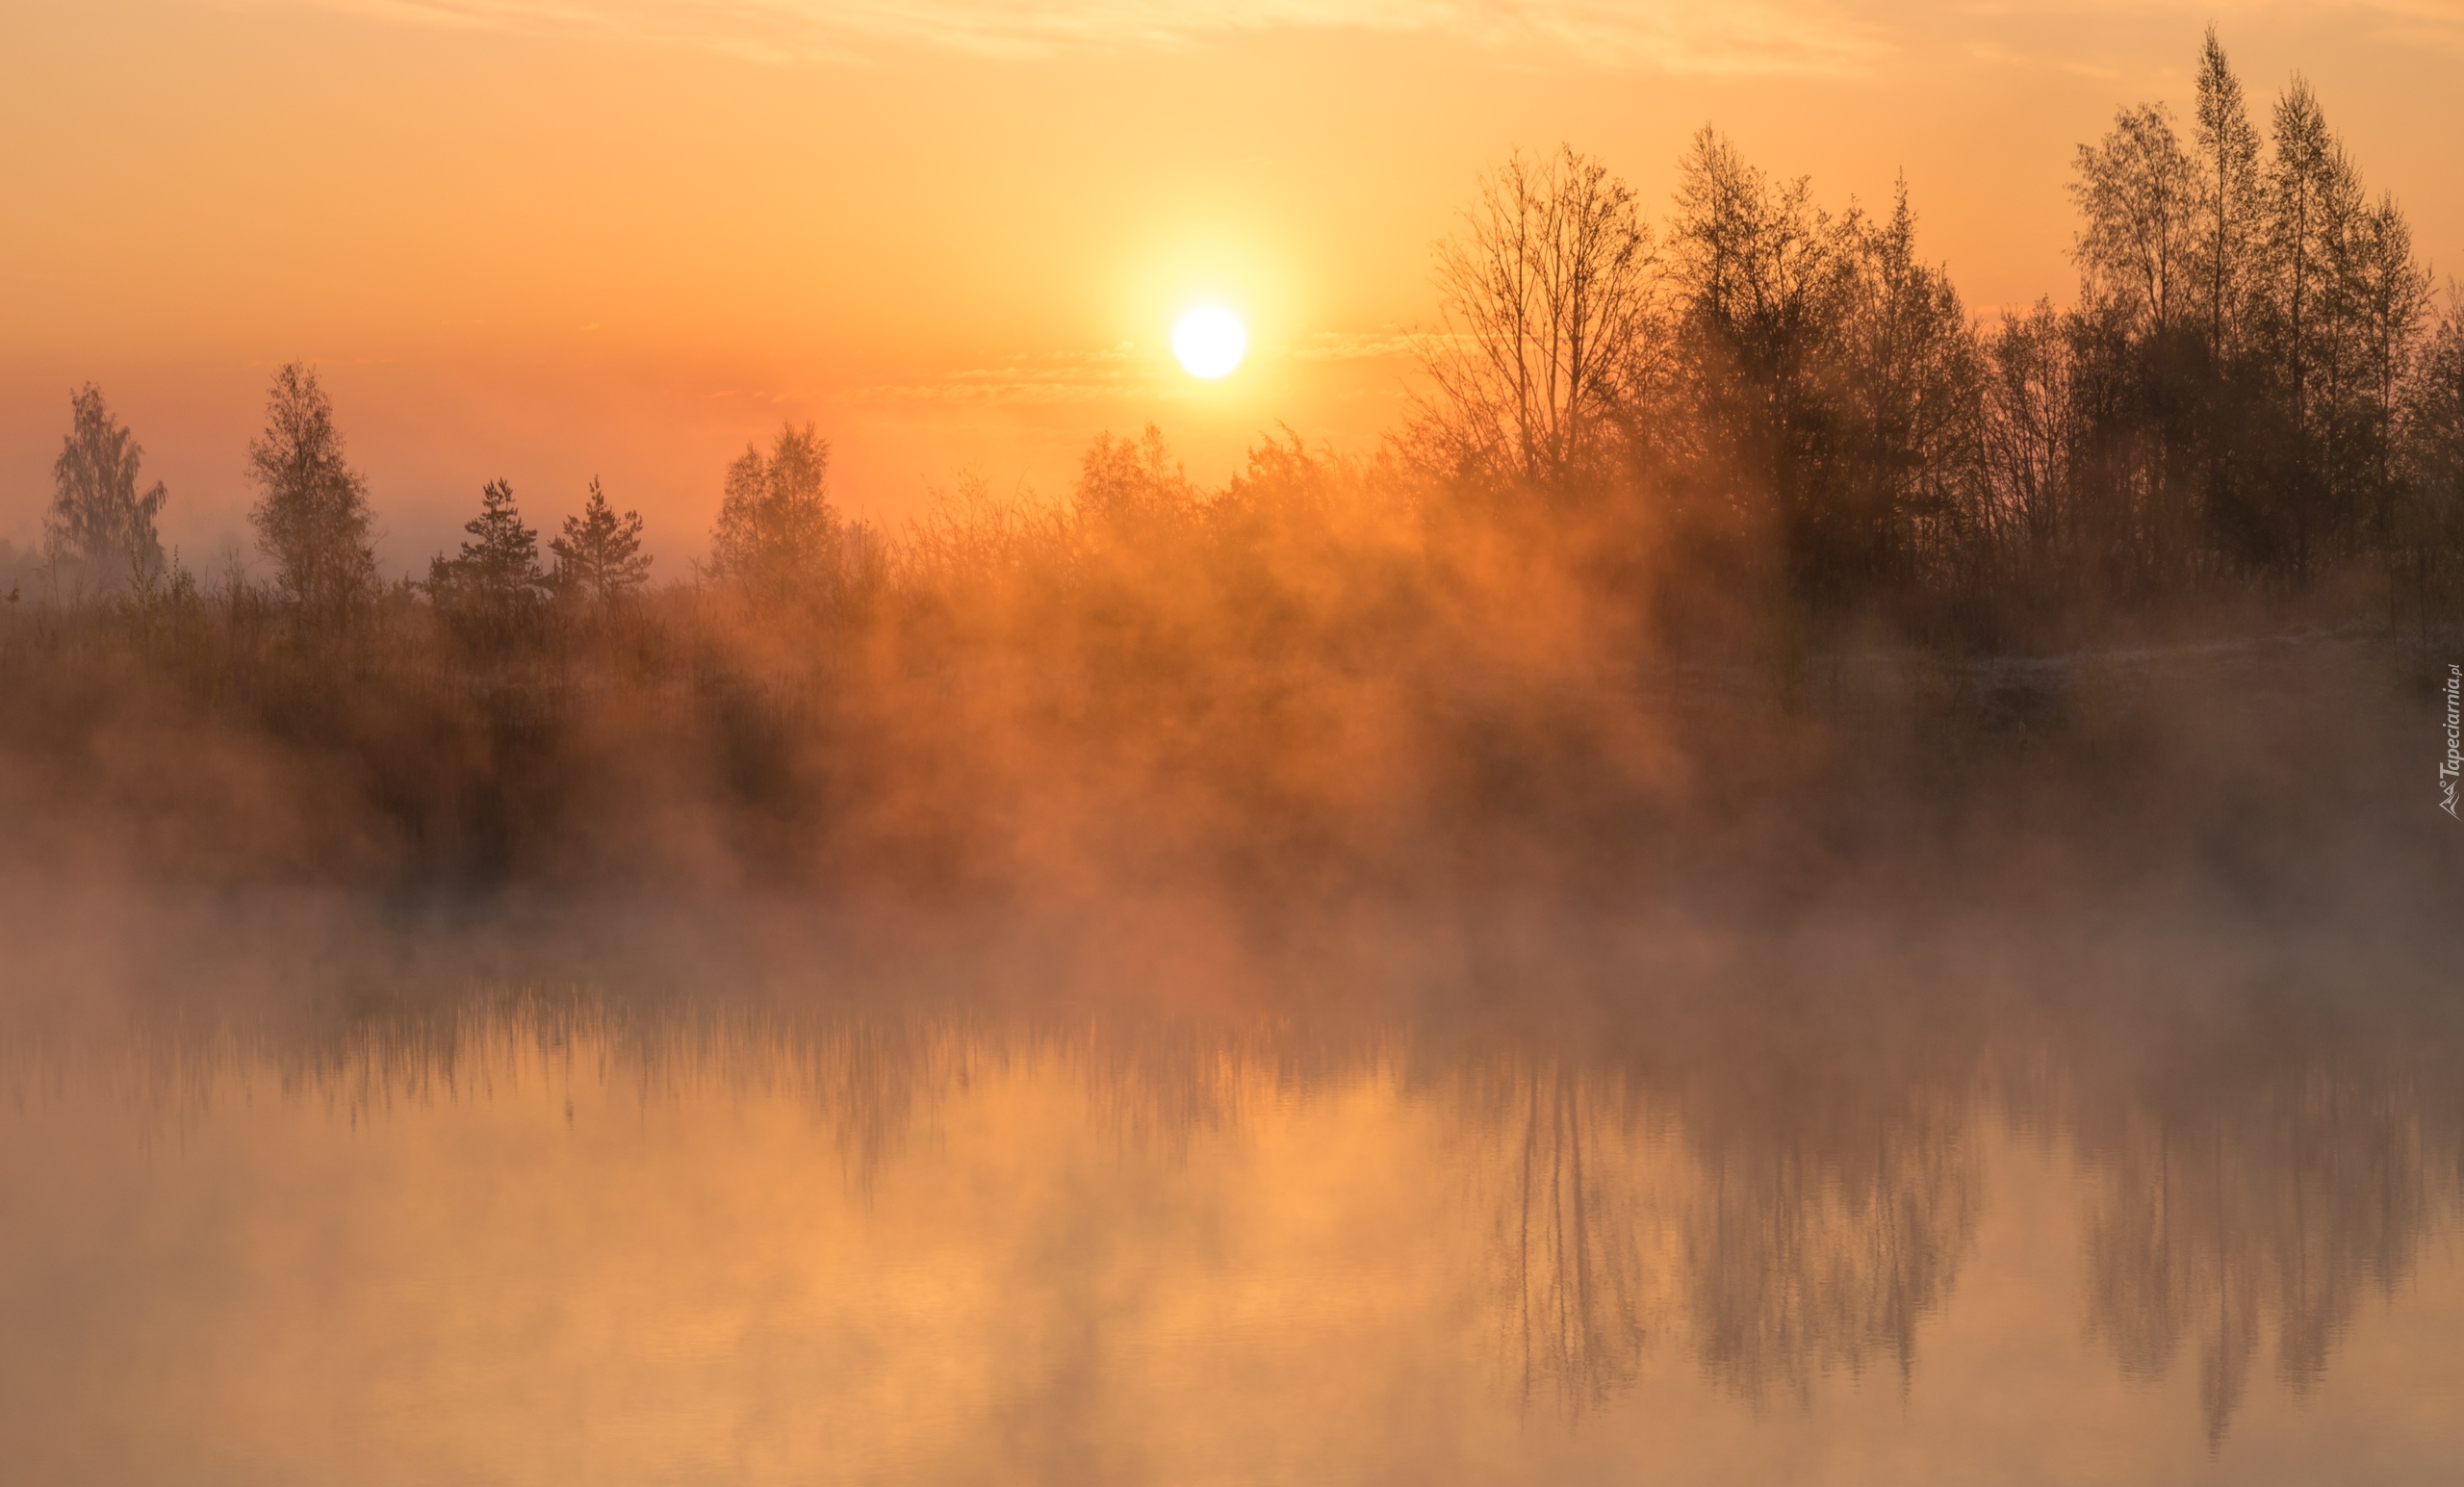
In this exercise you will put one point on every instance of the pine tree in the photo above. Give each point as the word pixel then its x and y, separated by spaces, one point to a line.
pixel 601 554
pixel 494 583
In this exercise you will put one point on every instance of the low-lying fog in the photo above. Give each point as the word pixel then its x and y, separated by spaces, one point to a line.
pixel 2082 1141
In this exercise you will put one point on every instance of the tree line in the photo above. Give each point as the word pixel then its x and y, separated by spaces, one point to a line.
pixel 314 523
pixel 1760 413
pixel 2253 385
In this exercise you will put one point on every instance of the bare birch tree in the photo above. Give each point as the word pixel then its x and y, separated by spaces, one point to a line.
pixel 1549 303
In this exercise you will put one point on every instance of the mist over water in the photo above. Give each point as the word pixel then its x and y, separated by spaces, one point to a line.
pixel 2094 1143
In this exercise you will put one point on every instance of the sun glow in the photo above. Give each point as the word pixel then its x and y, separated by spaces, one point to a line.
pixel 1209 342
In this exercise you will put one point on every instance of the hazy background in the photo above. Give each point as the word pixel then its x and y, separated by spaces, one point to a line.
pixel 546 239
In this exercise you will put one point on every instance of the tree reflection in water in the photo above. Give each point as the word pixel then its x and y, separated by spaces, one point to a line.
pixel 2260 1186
pixel 1824 1251
pixel 1575 1244
pixel 1777 1180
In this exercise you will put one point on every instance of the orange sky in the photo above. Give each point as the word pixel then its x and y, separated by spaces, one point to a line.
pixel 544 238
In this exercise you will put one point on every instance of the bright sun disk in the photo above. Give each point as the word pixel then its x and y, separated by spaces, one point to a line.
pixel 1209 342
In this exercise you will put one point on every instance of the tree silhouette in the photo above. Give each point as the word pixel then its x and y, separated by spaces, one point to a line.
pixel 99 520
pixel 1825 386
pixel 601 554
pixel 2428 535
pixel 2228 199
pixel 2311 194
pixel 2388 296
pixel 494 583
pixel 1549 303
pixel 776 535
pixel 1907 389
pixel 1764 276
pixel 312 515
pixel 2138 194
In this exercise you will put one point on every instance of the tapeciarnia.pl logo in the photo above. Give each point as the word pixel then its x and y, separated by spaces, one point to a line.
pixel 2453 764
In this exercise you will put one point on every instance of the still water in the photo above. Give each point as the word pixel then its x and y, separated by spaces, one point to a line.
pixel 1553 1205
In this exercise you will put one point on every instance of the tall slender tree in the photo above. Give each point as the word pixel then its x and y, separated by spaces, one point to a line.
pixel 100 523
pixel 310 515
pixel 2229 202
pixel 1909 382
pixel 2388 292
pixel 2137 252
pixel 2313 199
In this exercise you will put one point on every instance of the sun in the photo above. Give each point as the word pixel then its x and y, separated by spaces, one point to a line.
pixel 1209 342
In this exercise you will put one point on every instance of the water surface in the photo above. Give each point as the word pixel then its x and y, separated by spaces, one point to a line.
pixel 1538 1202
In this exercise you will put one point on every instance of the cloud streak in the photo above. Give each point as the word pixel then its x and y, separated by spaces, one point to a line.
pixel 1052 377
pixel 1751 38
pixel 1656 34
pixel 1122 371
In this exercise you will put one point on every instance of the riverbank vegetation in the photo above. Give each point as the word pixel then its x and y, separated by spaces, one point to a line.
pixel 1710 539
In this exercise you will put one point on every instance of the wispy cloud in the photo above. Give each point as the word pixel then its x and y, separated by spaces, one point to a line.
pixel 2073 34
pixel 1333 346
pixel 2438 24
pixel 1672 36
pixel 1051 378
pixel 1740 37
pixel 1124 371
